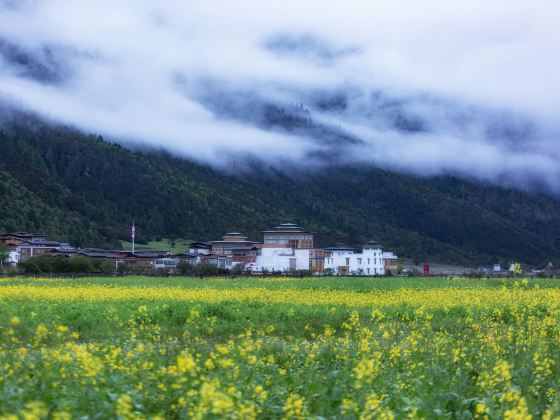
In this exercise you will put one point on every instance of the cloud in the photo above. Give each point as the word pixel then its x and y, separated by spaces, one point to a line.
pixel 431 87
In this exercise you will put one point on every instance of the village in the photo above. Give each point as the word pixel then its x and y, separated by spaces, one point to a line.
pixel 286 248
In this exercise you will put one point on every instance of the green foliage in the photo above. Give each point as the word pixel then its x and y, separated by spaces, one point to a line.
pixel 237 269
pixel 51 264
pixel 150 357
pixel 80 264
pixel 185 269
pixel 86 191
pixel 517 269
pixel 107 267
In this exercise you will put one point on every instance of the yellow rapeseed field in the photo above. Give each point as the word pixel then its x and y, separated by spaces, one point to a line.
pixel 278 349
pixel 432 298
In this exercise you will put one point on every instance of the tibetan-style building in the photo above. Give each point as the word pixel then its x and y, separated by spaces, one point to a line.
pixel 287 235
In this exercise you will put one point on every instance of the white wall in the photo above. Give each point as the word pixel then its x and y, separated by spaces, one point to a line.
pixel 369 261
pixel 199 251
pixel 389 256
pixel 278 259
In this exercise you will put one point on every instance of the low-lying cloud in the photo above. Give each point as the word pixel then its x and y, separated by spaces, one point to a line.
pixel 431 87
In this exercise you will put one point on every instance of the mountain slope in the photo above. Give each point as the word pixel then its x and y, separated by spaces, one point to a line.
pixel 87 191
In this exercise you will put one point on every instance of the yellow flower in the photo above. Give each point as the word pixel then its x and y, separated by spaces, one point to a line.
pixel 34 411
pixel 222 349
pixel 185 362
pixel 348 406
pixel 364 371
pixel 15 321
pixel 124 405
pixel 374 409
pixel 293 408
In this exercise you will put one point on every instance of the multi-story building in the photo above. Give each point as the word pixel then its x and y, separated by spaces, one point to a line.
pixel 343 260
pixel 233 249
pixel 390 263
pixel 317 260
pixel 288 247
pixel 230 243
pixel 287 235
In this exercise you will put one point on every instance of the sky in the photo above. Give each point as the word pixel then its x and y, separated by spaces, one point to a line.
pixel 468 88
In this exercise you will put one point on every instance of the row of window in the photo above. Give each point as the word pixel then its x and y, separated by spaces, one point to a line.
pixel 288 237
pixel 359 260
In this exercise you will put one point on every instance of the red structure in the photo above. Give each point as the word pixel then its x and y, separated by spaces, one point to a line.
pixel 426 270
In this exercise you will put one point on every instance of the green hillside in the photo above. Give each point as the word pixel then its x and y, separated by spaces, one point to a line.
pixel 176 246
pixel 87 191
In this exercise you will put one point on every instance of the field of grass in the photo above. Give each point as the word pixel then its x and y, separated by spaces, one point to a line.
pixel 177 246
pixel 139 347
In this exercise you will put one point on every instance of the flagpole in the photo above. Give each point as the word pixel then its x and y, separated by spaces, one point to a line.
pixel 133 236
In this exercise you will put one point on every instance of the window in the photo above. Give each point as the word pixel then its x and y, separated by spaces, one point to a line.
pixel 368 263
pixel 347 261
pixel 368 270
pixel 359 261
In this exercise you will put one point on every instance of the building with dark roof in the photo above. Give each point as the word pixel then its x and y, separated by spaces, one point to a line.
pixel 34 248
pixel 14 239
pixel 287 235
pixel 230 242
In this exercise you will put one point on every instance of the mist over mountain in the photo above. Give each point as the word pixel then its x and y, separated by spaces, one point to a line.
pixel 465 89
pixel 85 190
pixel 431 126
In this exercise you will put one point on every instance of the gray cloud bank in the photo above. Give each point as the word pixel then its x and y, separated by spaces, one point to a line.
pixel 469 88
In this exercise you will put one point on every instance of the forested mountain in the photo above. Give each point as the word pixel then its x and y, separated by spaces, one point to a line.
pixel 87 191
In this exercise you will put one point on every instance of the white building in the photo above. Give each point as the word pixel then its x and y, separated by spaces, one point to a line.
pixel 285 248
pixel 344 261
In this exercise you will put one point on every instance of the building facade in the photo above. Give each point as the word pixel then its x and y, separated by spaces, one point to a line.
pixel 288 247
pixel 34 248
pixel 234 249
pixel 287 235
pixel 344 261
pixel 390 264
pixel 282 260
pixel 15 239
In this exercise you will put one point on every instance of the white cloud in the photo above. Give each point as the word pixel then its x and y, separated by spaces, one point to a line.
pixel 138 71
